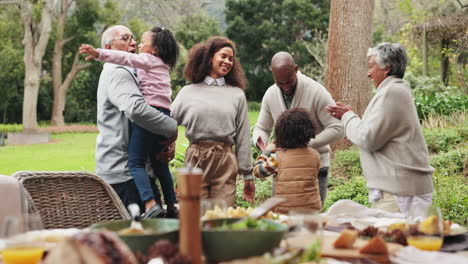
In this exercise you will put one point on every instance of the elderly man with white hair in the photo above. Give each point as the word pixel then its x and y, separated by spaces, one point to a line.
pixel 393 152
pixel 119 101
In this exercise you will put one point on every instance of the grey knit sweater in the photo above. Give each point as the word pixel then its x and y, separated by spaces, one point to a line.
pixel 118 101
pixel 217 113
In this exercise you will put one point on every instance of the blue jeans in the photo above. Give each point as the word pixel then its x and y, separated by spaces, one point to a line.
pixel 323 183
pixel 143 144
pixel 127 191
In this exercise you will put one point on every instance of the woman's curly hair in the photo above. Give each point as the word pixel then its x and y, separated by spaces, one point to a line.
pixel 198 64
pixel 166 44
pixel 294 129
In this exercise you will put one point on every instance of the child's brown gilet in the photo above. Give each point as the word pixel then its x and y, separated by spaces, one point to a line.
pixel 297 179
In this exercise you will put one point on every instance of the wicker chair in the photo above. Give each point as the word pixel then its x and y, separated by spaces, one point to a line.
pixel 71 199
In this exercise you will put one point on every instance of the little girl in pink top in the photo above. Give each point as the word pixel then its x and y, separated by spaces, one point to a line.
pixel 158 55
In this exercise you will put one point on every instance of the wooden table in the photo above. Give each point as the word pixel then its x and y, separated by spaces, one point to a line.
pixel 328 250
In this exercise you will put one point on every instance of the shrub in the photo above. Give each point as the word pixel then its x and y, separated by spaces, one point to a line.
pixel 457 119
pixel 463 131
pixel 443 103
pixel 426 83
pixel 346 163
pixel 262 192
pixel 450 195
pixel 5 128
pixel 84 128
pixel 450 163
pixel 442 139
pixel 432 96
pixel 254 106
pixel 177 162
pixel 255 151
pixel 355 189
pixel 44 127
pixel 335 180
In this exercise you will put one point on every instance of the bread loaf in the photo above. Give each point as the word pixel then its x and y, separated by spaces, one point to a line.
pixel 375 246
pixel 346 239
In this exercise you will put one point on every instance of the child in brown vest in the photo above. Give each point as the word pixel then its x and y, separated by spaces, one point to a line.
pixel 293 165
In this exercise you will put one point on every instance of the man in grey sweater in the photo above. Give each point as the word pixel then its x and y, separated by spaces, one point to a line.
pixel 119 101
pixel 293 89
pixel 394 155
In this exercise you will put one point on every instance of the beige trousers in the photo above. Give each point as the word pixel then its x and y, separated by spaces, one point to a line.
pixel 219 165
pixel 387 203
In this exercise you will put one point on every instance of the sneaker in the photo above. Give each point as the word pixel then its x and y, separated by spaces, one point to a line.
pixel 155 212
pixel 174 213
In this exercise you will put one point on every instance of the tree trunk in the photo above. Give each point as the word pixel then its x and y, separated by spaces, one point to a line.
pixel 60 93
pixel 349 37
pixel 36 36
pixel 444 62
pixel 59 96
pixel 4 121
pixel 61 88
pixel 424 51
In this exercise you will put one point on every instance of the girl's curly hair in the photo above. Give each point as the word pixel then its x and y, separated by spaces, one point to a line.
pixel 198 64
pixel 166 44
pixel 294 129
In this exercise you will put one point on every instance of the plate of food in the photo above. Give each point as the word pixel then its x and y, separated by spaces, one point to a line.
pixel 218 212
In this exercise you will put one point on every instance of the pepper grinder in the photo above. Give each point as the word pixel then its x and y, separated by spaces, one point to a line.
pixel 189 185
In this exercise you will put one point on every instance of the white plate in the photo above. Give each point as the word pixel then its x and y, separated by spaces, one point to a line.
pixel 456 230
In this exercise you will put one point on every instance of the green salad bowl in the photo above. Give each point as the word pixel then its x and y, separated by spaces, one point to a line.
pixel 225 245
pixel 160 228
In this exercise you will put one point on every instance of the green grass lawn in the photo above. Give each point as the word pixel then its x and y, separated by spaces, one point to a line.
pixel 74 152
pixel 67 152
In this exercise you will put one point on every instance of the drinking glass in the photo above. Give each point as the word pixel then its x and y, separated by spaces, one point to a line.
pixel 305 220
pixel 19 247
pixel 432 229
pixel 304 225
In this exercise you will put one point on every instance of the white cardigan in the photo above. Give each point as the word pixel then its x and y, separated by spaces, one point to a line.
pixel 312 96
pixel 394 155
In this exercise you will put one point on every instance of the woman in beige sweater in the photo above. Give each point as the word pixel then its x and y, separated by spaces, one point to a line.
pixel 213 109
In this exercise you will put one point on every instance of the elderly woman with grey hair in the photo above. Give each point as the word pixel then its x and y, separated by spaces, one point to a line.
pixel 393 152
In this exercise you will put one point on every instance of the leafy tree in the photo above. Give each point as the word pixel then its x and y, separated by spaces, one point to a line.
pixel 138 27
pixel 36 17
pixel 427 29
pixel 81 97
pixel 262 28
pixel 163 12
pixel 317 49
pixel 12 72
pixel 196 28
pixel 191 29
pixel 75 24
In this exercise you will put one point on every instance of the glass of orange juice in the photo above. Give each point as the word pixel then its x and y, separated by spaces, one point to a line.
pixel 20 248
pixel 431 229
